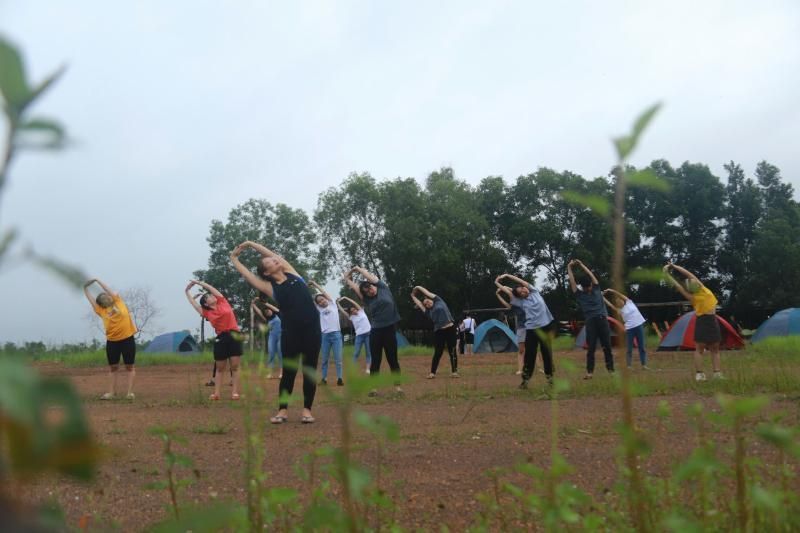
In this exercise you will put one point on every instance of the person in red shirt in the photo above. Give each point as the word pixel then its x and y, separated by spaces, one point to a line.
pixel 227 345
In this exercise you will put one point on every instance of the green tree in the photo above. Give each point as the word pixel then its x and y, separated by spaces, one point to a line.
pixel 281 228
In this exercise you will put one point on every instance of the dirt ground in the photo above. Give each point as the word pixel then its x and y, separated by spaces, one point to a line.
pixel 452 432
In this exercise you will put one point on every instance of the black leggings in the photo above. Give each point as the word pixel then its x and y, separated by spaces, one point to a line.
pixel 380 340
pixel 597 329
pixel 533 339
pixel 440 338
pixel 294 342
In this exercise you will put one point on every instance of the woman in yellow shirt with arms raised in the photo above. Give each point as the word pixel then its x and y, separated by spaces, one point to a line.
pixel 707 335
pixel 120 330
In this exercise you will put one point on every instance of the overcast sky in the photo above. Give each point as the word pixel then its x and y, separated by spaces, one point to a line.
pixel 181 110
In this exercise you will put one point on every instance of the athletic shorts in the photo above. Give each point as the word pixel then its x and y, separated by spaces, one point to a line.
pixel 706 329
pixel 469 338
pixel 126 349
pixel 521 335
pixel 225 346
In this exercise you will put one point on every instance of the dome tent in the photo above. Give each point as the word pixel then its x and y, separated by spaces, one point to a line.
pixel 173 342
pixel 781 324
pixel 617 331
pixel 492 336
pixel 680 336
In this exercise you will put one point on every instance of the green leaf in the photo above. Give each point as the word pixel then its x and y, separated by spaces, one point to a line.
pixel 72 275
pixel 741 407
pixel 281 495
pixel 6 240
pixel 43 133
pixel 627 143
pixel 45 84
pixel 647 179
pixel 596 203
pixel 13 86
pixel 646 275
pixel 766 499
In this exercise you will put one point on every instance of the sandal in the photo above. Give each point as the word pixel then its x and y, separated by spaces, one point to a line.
pixel 307 419
pixel 278 419
pixel 214 397
pixel 235 397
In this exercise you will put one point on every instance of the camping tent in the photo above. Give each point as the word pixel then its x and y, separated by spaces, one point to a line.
pixel 781 324
pixel 492 336
pixel 401 339
pixel 680 336
pixel 174 342
pixel 616 327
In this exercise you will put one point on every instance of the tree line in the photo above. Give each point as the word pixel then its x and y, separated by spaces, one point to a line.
pixel 741 236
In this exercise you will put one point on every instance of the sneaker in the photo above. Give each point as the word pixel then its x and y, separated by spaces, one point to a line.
pixel 210 383
pixel 270 376
pixel 550 380
pixel 645 367
pixel 588 376
pixel 523 385
pixel 431 376
pixel 398 391
pixel 700 376
pixel 718 375
pixel 373 393
pixel 107 396
pixel 454 375
pixel 323 381
pixel 339 382
pixel 518 373
pixel 131 396
pixel 368 371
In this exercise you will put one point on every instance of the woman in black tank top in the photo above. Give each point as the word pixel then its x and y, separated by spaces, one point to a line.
pixel 300 331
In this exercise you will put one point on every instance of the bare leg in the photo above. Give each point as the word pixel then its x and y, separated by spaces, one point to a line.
pixel 112 379
pixel 235 371
pixel 520 358
pixel 131 375
pixel 698 357
pixel 221 365
pixel 715 358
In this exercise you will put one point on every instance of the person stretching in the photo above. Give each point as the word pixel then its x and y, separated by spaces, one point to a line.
pixel 383 315
pixel 444 330
pixel 707 335
pixel 468 326
pixel 538 324
pixel 120 329
pixel 272 318
pixel 300 331
pixel 634 324
pixel 361 326
pixel 595 315
pixel 227 344
pixel 519 324
pixel 331 332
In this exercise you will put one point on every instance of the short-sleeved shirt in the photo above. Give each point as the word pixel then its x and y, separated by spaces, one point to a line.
pixel 382 309
pixel 537 314
pixel 298 310
pixel 117 320
pixel 631 315
pixel 439 314
pixel 468 325
pixel 221 317
pixel 704 302
pixel 591 302
pixel 360 322
pixel 329 318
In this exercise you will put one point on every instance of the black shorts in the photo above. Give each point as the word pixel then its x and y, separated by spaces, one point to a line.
pixel 706 329
pixel 126 348
pixel 469 338
pixel 225 346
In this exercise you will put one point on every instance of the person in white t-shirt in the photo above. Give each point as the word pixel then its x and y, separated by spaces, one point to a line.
pixel 634 324
pixel 361 325
pixel 468 327
pixel 331 333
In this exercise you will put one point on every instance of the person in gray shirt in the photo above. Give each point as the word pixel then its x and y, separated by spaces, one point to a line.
pixel 444 330
pixel 538 325
pixel 595 314
pixel 383 316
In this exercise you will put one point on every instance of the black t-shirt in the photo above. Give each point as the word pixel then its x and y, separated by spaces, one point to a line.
pixel 297 306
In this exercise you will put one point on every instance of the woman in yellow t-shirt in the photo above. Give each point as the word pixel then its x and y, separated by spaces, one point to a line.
pixel 120 330
pixel 707 335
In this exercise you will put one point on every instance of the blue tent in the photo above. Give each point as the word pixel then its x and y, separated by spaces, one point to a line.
pixel 492 336
pixel 781 324
pixel 174 342
pixel 401 339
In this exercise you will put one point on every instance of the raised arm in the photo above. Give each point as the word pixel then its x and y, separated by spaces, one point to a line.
pixel 686 294
pixel 348 279
pixel 263 250
pixel 87 293
pixel 572 285
pixel 425 292
pixel 515 279
pixel 272 307
pixel 369 276
pixel 322 291
pixel 685 272
pixel 416 301
pixel 612 306
pixel 105 288
pixel 624 298
pixel 499 293
pixel 191 298
pixel 353 302
pixel 588 272
pixel 208 288
pixel 255 308
pixel 252 280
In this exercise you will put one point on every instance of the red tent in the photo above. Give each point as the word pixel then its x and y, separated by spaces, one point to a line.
pixel 617 333
pixel 680 336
